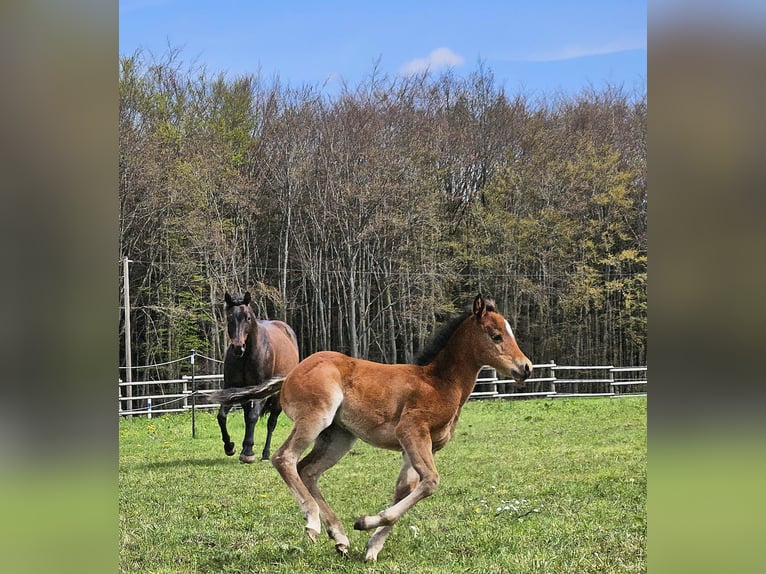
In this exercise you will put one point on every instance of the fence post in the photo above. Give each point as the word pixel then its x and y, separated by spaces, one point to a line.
pixel 128 352
pixel 194 394
pixel 553 376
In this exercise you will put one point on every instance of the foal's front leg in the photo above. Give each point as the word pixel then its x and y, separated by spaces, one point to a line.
pixel 406 483
pixel 417 446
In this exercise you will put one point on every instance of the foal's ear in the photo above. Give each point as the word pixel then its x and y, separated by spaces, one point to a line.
pixel 479 308
pixel 228 300
pixel 246 300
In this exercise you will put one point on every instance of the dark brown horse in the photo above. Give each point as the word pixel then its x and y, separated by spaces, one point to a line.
pixel 334 399
pixel 258 350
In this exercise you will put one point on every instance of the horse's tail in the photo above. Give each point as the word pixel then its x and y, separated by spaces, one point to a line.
pixel 236 395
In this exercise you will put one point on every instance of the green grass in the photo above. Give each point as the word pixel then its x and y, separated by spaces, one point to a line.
pixel 526 486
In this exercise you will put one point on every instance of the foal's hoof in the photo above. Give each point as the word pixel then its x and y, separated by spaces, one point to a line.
pixel 342 549
pixel 361 524
pixel 312 534
pixel 229 449
pixel 247 458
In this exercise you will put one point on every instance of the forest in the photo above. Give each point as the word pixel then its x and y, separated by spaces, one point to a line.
pixel 365 218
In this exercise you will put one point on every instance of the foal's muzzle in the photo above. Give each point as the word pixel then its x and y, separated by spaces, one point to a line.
pixel 239 350
pixel 520 373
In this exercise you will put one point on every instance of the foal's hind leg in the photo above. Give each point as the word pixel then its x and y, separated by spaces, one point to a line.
pixel 285 460
pixel 406 483
pixel 329 447
pixel 228 446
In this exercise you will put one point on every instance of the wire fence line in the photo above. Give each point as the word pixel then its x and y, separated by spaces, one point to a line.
pixel 188 357
pixel 550 381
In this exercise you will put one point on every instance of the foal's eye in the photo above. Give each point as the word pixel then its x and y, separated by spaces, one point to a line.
pixel 498 338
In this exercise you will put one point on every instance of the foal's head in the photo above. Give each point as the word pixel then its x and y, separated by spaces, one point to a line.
pixel 240 320
pixel 496 344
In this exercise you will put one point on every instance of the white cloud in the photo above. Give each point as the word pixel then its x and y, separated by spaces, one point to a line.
pixel 439 58
pixel 574 51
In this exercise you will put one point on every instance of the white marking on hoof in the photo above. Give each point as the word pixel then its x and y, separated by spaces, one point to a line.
pixel 312 534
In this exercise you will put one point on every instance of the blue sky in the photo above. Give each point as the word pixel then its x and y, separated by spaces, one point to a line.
pixel 533 47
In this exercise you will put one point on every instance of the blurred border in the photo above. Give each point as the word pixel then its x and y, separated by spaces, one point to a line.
pixel 59 251
pixel 707 125
pixel 58 239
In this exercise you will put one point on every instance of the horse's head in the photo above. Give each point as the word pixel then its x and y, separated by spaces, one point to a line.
pixel 240 320
pixel 496 344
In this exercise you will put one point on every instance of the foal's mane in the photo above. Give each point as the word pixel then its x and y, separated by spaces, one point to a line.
pixel 444 334
pixel 439 340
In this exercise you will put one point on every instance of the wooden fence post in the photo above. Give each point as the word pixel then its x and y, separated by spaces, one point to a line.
pixel 194 394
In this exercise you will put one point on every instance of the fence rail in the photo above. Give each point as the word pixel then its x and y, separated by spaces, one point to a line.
pixel 189 392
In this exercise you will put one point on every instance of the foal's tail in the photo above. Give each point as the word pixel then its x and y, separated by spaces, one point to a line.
pixel 236 395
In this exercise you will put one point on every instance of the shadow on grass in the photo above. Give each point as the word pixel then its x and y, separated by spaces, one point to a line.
pixel 184 462
pixel 291 556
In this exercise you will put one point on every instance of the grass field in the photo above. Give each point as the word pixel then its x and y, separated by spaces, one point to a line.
pixel 553 486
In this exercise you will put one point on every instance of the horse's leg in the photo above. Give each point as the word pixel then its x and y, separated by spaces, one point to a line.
pixel 311 413
pixel 285 460
pixel 329 447
pixel 271 424
pixel 252 410
pixel 228 446
pixel 406 483
pixel 416 443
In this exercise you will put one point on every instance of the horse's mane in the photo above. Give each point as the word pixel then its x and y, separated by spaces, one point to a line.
pixel 443 334
pixel 439 340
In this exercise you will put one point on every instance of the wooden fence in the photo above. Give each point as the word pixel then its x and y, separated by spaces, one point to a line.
pixel 550 381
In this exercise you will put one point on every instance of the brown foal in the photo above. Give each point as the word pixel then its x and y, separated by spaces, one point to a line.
pixel 334 399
